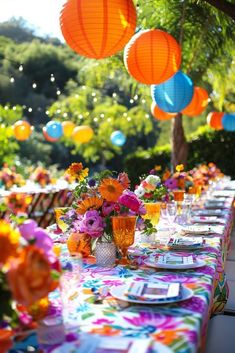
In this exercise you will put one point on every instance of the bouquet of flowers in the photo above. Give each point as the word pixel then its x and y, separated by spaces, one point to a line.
pixel 41 176
pixel 204 173
pixel 29 271
pixel 179 180
pixel 151 189
pixel 9 177
pixel 97 199
pixel 18 203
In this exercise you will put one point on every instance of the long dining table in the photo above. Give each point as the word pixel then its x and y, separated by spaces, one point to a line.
pixel 178 327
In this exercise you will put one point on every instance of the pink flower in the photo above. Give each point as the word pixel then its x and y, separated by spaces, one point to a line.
pixel 107 208
pixel 92 224
pixel 131 201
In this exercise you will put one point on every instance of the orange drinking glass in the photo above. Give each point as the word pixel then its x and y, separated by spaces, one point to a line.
pixel 153 212
pixel 178 195
pixel 123 233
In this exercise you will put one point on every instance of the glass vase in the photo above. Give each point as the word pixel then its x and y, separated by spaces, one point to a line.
pixel 50 331
pixel 123 234
pixel 105 254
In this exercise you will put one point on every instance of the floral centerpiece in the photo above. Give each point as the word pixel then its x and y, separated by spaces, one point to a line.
pixel 153 192
pixel 29 271
pixel 99 198
pixel 9 178
pixel 181 179
pixel 41 176
pixel 203 174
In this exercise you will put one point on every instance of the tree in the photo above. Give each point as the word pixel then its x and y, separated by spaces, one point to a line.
pixel 206 36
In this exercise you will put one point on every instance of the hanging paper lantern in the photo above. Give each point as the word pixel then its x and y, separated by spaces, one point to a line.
pixel 214 120
pixel 118 138
pixel 160 114
pixel 82 134
pixel 198 103
pixel 22 130
pixel 68 127
pixel 98 29
pixel 54 129
pixel 47 137
pixel 152 56
pixel 228 122
pixel 174 94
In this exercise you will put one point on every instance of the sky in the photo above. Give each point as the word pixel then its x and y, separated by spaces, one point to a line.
pixel 43 15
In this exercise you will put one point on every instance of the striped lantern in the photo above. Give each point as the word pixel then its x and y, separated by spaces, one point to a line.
pixel 98 28
pixel 228 122
pixel 159 114
pixel 173 95
pixel 198 103
pixel 152 56
pixel 214 120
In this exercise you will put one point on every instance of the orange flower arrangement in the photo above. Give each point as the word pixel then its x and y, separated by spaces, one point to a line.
pixel 18 202
pixel 28 272
pixel 76 171
pixel 9 177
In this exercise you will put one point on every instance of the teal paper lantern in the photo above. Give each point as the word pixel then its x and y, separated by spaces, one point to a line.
pixel 228 122
pixel 54 129
pixel 173 95
pixel 118 138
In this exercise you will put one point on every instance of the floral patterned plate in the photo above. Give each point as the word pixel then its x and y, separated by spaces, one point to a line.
pixel 119 293
pixel 196 264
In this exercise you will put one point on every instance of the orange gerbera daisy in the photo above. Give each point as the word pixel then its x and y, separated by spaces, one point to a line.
pixel 77 172
pixel 91 203
pixel 9 241
pixel 110 189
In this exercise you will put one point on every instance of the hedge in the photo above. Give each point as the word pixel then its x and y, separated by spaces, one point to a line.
pixel 206 145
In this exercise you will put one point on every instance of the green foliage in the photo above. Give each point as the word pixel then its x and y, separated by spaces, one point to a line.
pixel 205 145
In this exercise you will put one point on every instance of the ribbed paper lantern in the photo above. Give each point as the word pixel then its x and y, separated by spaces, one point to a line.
pixel 118 138
pixel 22 130
pixel 47 137
pixel 68 127
pixel 152 56
pixel 198 103
pixel 160 114
pixel 214 120
pixel 98 28
pixel 174 94
pixel 82 134
pixel 228 122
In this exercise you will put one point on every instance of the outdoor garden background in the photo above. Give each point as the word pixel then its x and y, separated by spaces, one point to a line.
pixel 42 79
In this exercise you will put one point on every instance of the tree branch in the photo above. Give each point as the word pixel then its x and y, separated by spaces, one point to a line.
pixel 224 6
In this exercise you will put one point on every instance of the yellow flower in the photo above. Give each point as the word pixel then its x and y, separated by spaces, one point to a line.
pixel 90 203
pixel 110 189
pixel 9 241
pixel 77 172
pixel 179 168
pixel 158 168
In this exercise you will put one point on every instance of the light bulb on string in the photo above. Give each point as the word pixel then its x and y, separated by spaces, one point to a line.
pixel 65 115
pixel 14 108
pixel 12 80
pixel 6 107
pixel 30 110
pixel 143 101
pixel 58 92
pixel 131 101
pixel 21 68
pixel 47 112
pixel 34 85
pixel 52 78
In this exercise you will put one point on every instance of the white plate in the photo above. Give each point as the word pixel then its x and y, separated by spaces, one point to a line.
pixel 160 348
pixel 196 230
pixel 119 293
pixel 198 263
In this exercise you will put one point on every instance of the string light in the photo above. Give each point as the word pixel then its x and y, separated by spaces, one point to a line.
pixel 65 115
pixel 30 110
pixel 21 68
pixel 143 101
pixel 47 112
pixel 34 85
pixel 131 101
pixel 52 78
pixel 12 80
pixel 58 92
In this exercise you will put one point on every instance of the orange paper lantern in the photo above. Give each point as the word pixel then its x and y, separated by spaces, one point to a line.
pixel 68 127
pixel 160 114
pixel 152 56
pixel 82 134
pixel 98 29
pixel 214 120
pixel 22 130
pixel 198 103
pixel 47 137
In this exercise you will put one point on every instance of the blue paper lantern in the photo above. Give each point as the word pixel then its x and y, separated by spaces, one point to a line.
pixel 175 94
pixel 118 138
pixel 228 122
pixel 54 129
